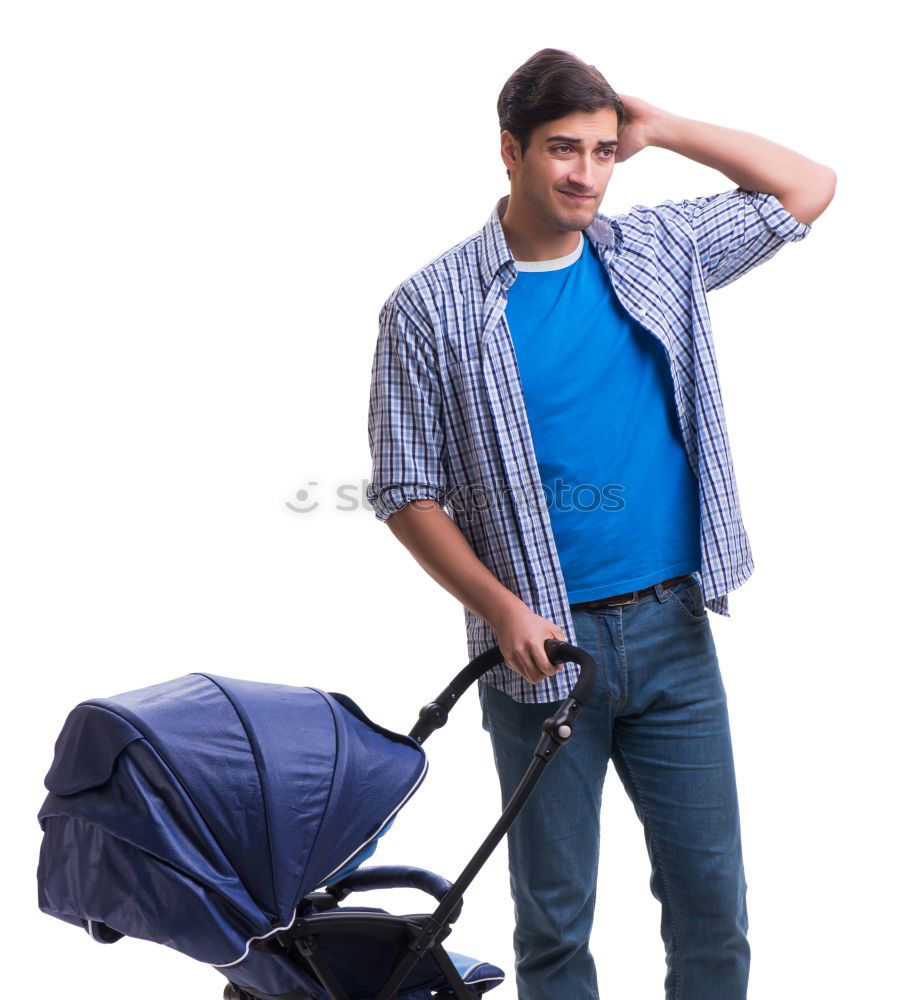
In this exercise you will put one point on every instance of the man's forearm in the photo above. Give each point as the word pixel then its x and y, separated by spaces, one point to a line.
pixel 437 543
pixel 803 186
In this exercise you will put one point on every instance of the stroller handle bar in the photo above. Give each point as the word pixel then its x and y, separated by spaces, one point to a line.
pixel 435 714
pixel 556 731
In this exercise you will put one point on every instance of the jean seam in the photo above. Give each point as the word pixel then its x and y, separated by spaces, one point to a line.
pixel 661 868
pixel 623 666
pixel 602 628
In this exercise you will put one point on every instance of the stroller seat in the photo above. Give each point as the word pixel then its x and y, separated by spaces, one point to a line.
pixel 477 977
pixel 325 936
pixel 427 982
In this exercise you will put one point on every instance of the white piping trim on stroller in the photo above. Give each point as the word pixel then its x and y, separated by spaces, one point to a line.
pixel 278 930
pixel 397 809
pixel 486 979
pixel 258 937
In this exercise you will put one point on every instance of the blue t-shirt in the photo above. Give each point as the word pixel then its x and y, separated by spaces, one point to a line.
pixel 622 497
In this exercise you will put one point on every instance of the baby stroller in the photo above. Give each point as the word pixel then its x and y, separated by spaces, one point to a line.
pixel 206 813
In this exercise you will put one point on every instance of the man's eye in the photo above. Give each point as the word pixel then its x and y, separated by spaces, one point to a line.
pixel 557 149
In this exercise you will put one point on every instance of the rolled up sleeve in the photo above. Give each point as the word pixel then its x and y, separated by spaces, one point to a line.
pixel 405 429
pixel 736 231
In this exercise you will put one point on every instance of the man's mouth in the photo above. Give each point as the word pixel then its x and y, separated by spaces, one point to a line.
pixel 577 197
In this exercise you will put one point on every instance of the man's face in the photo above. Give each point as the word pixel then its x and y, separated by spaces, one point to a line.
pixel 563 175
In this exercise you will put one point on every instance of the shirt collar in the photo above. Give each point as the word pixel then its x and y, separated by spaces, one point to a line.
pixel 496 255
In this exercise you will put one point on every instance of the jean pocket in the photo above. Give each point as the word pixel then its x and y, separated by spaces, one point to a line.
pixel 688 597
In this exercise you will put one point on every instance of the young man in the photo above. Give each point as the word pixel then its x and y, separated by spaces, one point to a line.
pixel 551 381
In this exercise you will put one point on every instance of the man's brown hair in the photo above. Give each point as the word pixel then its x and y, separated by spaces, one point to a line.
pixel 551 84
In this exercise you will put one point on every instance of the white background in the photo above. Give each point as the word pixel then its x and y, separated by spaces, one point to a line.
pixel 204 207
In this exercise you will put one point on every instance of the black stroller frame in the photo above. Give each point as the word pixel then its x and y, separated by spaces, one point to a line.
pixel 421 934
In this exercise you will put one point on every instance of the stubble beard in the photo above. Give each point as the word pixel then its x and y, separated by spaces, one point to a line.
pixel 562 222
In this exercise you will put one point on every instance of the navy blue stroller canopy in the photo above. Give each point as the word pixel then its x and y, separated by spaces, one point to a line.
pixel 205 813
pixel 199 812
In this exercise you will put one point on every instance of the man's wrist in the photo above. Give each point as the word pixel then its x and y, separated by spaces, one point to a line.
pixel 663 129
pixel 503 609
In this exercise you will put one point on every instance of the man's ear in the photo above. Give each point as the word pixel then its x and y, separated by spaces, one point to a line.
pixel 509 149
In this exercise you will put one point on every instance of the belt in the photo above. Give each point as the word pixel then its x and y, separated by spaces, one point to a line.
pixel 621 599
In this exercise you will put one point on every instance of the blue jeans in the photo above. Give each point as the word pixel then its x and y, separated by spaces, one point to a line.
pixel 659 711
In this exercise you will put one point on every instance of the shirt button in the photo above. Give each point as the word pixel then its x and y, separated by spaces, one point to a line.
pixel 643 310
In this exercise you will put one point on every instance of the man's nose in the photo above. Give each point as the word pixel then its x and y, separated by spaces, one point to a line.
pixel 582 175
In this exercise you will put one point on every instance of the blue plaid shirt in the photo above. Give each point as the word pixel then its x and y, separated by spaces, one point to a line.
pixel 447 418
